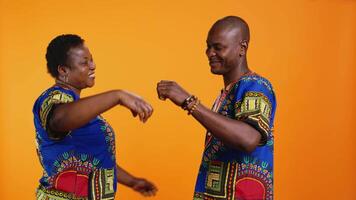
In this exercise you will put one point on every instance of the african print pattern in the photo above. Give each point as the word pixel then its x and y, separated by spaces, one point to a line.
pixel 72 163
pixel 228 173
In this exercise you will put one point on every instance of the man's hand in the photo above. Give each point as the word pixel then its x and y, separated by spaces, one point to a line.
pixel 172 91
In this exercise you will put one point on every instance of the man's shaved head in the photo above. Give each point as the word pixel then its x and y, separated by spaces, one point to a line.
pixel 227 45
pixel 233 23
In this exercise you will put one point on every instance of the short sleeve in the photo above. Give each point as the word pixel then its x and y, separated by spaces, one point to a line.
pixel 255 105
pixel 50 100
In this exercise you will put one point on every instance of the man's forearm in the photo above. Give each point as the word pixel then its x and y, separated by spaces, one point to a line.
pixel 234 133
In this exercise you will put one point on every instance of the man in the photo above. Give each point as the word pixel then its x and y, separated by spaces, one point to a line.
pixel 237 161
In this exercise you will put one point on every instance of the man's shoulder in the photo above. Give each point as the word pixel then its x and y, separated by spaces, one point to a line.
pixel 252 81
pixel 255 78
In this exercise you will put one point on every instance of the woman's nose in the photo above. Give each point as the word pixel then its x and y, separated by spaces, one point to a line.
pixel 92 65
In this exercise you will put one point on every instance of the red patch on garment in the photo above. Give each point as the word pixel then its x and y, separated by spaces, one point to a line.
pixel 72 182
pixel 249 188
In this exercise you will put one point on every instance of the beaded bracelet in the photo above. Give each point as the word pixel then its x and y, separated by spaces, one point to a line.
pixel 194 107
pixel 188 101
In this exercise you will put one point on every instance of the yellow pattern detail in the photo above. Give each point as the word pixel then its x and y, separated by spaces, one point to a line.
pixel 255 108
pixel 55 97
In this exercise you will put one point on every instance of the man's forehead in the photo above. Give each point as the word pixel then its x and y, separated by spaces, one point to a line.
pixel 223 33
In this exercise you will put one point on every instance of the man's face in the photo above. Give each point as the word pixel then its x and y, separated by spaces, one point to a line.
pixel 223 49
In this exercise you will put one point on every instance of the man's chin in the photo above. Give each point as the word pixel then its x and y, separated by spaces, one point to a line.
pixel 215 71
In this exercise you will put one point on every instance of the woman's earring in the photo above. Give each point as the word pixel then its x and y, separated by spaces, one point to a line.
pixel 66 79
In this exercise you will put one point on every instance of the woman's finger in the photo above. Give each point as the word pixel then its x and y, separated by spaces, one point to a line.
pixel 145 112
pixel 138 110
pixel 142 115
pixel 134 113
pixel 150 110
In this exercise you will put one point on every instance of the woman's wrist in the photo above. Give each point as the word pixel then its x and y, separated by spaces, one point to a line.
pixel 119 96
pixel 126 179
pixel 131 181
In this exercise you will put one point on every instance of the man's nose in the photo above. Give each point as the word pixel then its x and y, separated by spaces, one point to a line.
pixel 210 52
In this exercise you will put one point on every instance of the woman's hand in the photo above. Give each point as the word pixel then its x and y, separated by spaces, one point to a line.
pixel 136 104
pixel 140 185
pixel 144 187
pixel 172 91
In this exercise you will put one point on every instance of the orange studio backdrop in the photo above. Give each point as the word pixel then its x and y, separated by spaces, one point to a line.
pixel 307 48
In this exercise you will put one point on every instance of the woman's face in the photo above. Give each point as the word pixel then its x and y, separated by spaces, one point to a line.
pixel 81 72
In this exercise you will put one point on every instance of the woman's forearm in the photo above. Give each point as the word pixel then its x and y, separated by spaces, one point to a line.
pixel 69 116
pixel 124 177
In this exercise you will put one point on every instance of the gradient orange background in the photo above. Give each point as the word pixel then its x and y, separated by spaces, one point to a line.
pixel 306 48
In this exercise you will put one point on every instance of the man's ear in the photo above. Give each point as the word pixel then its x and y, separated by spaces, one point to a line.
pixel 244 47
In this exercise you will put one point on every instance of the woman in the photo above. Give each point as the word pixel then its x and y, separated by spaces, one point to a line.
pixel 76 146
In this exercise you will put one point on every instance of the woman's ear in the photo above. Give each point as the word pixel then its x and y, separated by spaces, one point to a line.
pixel 62 70
pixel 63 73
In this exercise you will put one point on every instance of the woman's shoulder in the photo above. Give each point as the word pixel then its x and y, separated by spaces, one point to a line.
pixel 57 94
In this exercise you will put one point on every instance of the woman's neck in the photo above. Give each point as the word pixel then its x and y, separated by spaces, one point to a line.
pixel 67 86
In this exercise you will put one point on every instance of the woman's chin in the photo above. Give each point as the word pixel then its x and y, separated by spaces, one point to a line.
pixel 91 83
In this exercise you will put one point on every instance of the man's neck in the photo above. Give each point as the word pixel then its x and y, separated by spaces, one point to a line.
pixel 236 74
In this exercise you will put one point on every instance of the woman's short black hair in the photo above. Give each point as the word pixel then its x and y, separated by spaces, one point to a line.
pixel 57 51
